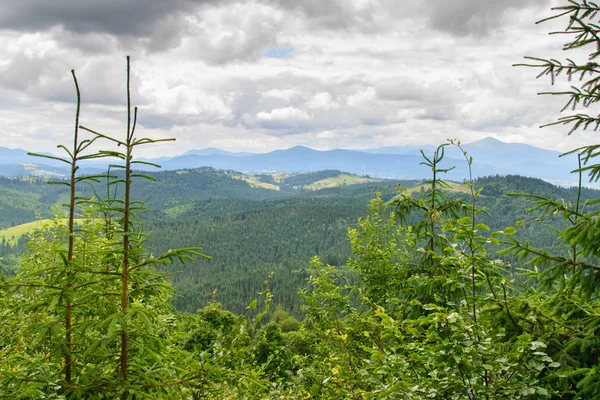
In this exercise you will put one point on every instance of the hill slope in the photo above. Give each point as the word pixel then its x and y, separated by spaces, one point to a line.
pixel 251 232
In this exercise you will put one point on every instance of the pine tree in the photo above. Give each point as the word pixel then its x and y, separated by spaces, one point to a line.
pixel 563 301
pixel 90 295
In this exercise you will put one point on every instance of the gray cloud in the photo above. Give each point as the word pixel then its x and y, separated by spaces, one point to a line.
pixel 159 121
pixel 474 17
pixel 332 14
pixel 362 74
pixel 238 33
pixel 44 75
pixel 134 17
pixel 160 22
pixel 254 97
pixel 90 43
pixel 158 25
pixel 418 91
pixel 147 26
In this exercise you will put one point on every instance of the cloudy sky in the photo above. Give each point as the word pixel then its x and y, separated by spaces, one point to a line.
pixel 272 74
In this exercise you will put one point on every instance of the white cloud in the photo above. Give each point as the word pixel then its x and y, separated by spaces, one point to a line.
pixel 323 101
pixel 363 73
pixel 282 94
pixel 327 135
pixel 283 114
pixel 362 97
pixel 233 33
pixel 411 113
pixel 183 99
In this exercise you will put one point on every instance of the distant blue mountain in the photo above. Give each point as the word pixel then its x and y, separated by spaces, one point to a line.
pixel 304 159
pixel 509 158
pixel 490 157
pixel 16 162
pixel 28 169
pixel 212 151
pixel 408 149
pixel 500 153
pixel 10 156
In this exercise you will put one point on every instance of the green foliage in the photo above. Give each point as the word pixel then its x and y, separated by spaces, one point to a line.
pixel 422 308
pixel 90 296
pixel 433 204
pixel 250 238
pixel 561 305
pixel 248 246
pixel 419 327
pixel 213 323
pixel 266 178
pixel 380 252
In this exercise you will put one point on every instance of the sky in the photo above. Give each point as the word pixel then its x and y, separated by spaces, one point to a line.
pixel 272 74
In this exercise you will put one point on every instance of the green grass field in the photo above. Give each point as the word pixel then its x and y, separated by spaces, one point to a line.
pixel 12 234
pixel 342 179
pixel 254 182
pixel 454 187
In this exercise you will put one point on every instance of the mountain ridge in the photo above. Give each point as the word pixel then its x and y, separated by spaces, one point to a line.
pixel 490 157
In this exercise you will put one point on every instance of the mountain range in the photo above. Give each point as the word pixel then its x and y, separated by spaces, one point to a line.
pixel 490 157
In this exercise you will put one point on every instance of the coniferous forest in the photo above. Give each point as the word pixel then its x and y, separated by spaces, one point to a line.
pixel 197 285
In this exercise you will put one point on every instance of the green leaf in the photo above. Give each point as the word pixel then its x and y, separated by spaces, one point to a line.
pixel 527 391
pixel 554 365
pixel 535 345
pixel 465 220
pixel 253 304
pixel 542 392
pixel 482 227
pixel 315 389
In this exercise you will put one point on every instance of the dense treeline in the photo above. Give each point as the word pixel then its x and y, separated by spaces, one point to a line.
pixel 300 180
pixel 173 194
pixel 23 199
pixel 249 238
pixel 247 246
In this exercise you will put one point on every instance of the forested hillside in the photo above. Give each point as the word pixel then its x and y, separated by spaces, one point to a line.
pixel 252 239
pixel 251 232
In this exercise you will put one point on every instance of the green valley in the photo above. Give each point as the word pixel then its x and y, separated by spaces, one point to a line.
pixel 251 232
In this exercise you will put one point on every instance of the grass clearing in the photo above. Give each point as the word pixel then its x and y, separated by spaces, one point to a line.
pixel 452 187
pixel 11 235
pixel 254 182
pixel 340 180
pixel 179 210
